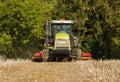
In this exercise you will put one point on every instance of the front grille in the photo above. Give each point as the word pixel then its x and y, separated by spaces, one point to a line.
pixel 62 48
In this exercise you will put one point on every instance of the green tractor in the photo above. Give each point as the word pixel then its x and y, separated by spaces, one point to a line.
pixel 60 44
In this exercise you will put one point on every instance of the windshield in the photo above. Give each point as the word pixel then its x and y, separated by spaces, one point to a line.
pixel 61 27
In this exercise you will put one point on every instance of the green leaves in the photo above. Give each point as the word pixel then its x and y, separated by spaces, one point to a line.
pixel 22 21
pixel 25 19
pixel 97 21
pixel 5 39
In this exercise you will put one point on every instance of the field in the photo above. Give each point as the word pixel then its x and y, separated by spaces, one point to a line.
pixel 79 71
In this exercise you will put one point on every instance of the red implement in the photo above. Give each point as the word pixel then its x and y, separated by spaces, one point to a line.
pixel 37 56
pixel 86 56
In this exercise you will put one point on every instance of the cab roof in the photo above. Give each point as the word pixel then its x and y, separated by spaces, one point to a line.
pixel 62 21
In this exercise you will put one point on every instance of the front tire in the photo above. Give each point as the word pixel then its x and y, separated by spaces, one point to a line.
pixel 79 52
pixel 45 55
pixel 76 54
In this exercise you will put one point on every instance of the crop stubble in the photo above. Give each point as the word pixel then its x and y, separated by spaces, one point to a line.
pixel 79 71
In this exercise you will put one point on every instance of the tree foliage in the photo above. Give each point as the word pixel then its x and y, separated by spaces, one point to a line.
pixel 97 24
pixel 21 22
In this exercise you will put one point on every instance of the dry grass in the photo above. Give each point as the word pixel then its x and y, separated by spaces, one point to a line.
pixel 80 71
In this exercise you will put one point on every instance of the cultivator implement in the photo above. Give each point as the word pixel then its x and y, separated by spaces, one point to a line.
pixel 86 56
pixel 38 56
pixel 42 57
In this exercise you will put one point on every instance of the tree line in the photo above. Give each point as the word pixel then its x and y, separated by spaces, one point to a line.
pixel 97 25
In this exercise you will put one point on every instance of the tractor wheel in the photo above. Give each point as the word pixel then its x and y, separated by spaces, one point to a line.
pixel 50 58
pixel 45 55
pixel 76 54
pixel 79 52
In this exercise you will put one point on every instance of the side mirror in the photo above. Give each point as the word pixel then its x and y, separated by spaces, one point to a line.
pixel 76 42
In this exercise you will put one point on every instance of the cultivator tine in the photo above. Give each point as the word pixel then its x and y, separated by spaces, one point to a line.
pixel 86 58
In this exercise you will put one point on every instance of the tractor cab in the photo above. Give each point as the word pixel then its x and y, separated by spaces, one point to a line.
pixel 54 27
pixel 59 26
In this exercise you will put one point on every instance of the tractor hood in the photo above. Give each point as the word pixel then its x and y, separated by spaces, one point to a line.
pixel 62 35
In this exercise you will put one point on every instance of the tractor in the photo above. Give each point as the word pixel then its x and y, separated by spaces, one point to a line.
pixel 60 43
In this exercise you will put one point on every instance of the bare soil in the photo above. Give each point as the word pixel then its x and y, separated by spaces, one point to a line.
pixel 80 71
